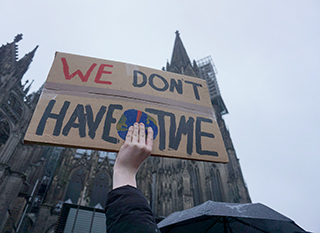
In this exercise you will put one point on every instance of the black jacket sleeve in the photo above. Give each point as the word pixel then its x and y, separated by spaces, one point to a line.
pixel 127 210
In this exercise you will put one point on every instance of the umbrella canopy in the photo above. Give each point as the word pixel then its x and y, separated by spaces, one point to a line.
pixel 228 217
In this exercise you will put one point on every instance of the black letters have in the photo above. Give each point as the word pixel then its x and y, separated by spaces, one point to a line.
pixel 93 125
pixel 200 134
pixel 107 124
pixel 48 114
pixel 77 113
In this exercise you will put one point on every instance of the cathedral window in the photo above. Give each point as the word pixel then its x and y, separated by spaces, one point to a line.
pixel 75 185
pixel 216 185
pixel 4 130
pixel 100 189
pixel 196 186
pixel 15 105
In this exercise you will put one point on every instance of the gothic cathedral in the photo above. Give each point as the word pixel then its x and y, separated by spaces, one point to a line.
pixel 36 181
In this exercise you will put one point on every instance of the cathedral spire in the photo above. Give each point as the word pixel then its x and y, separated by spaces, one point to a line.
pixel 179 57
pixel 23 63
pixel 180 62
pixel 27 59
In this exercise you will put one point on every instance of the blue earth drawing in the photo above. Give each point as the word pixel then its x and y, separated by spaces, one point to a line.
pixel 129 117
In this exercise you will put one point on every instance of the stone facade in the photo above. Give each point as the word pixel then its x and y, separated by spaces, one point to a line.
pixel 20 166
pixel 181 184
pixel 52 175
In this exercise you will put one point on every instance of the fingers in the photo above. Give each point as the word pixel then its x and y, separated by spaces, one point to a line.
pixel 142 137
pixel 150 138
pixel 129 134
pixel 135 135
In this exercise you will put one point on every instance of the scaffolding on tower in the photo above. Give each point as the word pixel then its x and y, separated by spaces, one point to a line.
pixel 208 71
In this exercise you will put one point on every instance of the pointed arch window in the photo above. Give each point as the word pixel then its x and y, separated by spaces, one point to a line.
pixel 100 189
pixel 175 196
pixel 75 185
pixel 4 130
pixel 196 186
pixel 216 185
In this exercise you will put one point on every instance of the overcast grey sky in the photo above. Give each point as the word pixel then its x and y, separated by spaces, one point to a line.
pixel 268 58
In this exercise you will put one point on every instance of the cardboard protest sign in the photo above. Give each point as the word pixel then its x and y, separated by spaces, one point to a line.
pixel 90 103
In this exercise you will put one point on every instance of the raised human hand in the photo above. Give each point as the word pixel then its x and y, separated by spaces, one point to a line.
pixel 132 153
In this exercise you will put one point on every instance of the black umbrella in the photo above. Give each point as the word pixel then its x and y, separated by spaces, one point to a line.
pixel 228 217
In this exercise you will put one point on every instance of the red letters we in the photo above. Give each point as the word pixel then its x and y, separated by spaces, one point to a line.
pixel 84 78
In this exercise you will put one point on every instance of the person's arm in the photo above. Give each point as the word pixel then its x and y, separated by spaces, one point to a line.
pixel 131 155
pixel 127 210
